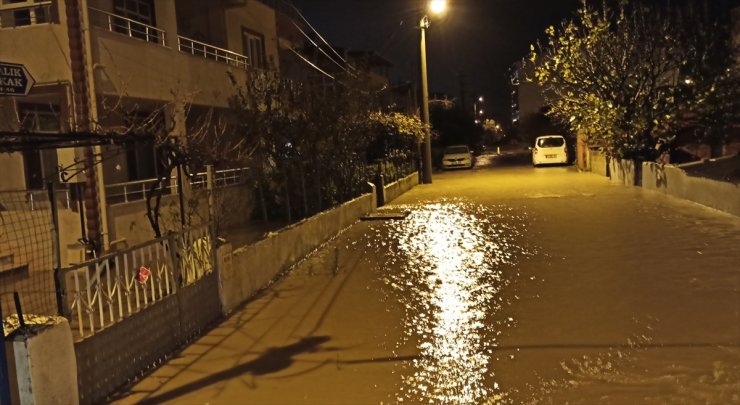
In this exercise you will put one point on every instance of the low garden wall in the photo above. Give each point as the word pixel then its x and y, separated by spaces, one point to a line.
pixel 674 181
pixel 624 172
pixel 397 188
pixel 248 269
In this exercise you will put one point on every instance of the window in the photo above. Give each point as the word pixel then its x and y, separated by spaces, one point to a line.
pixel 142 160
pixel 40 166
pixel 17 13
pixel 139 16
pixel 137 10
pixel 254 48
pixel 553 142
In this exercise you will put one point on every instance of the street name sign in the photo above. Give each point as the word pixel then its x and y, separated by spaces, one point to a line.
pixel 15 80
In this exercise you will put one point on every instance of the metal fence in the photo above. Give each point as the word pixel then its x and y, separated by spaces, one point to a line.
pixel 26 261
pixel 108 289
pixel 201 49
pixel 126 26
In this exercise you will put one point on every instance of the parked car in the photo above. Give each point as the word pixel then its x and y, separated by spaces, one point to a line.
pixel 549 149
pixel 457 156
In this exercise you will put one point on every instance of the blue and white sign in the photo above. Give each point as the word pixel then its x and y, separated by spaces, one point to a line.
pixel 15 80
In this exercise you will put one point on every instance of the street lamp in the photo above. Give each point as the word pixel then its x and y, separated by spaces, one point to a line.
pixel 435 7
pixel 476 110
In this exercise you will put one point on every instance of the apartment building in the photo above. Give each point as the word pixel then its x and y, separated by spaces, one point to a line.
pixel 97 64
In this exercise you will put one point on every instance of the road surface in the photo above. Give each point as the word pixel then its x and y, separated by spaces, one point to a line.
pixel 505 284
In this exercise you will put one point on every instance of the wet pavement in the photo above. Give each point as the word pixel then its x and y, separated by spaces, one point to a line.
pixel 505 284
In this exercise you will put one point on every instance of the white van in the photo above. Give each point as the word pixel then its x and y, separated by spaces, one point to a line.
pixel 549 149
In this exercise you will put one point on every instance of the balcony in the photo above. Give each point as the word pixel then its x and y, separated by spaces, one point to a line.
pixel 150 63
pixel 148 33
pixel 127 26
pixel 132 191
pixel 200 49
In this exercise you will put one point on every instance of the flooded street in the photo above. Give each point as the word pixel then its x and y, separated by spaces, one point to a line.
pixel 504 284
pixel 575 292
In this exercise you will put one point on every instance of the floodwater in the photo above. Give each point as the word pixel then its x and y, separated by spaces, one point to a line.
pixel 564 294
pixel 449 263
pixel 504 285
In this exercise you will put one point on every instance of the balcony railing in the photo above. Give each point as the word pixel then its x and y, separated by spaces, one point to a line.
pixel 27 13
pixel 126 26
pixel 221 178
pixel 196 48
pixel 130 191
pixel 138 190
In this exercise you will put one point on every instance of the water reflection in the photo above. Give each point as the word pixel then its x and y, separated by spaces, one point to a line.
pixel 453 262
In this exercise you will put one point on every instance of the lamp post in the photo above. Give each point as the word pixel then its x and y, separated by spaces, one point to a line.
pixel 478 111
pixel 436 7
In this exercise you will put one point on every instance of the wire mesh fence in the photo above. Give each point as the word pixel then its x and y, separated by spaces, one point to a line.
pixel 26 258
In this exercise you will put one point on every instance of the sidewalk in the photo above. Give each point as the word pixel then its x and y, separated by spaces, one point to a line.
pixel 310 338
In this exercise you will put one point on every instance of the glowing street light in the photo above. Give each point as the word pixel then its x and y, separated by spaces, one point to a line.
pixel 477 111
pixel 436 7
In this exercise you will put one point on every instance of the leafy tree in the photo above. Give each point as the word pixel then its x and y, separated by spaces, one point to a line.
pixel 632 76
pixel 311 142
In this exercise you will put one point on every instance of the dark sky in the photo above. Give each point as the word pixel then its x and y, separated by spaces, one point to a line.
pixel 477 39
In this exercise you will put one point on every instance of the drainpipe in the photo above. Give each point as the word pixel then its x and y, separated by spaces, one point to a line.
pixel 84 111
pixel 97 150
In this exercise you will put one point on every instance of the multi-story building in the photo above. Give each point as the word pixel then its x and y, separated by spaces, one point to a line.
pixel 99 65
pixel 527 100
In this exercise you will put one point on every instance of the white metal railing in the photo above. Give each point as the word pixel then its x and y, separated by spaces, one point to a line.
pixel 221 178
pixel 127 26
pixel 197 48
pixel 108 289
pixel 138 190
pixel 26 13
pixel 39 199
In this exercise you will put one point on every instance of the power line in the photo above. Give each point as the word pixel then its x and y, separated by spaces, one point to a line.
pixel 317 33
pixel 313 65
pixel 318 47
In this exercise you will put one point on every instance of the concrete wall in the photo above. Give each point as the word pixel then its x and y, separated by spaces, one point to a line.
pixel 397 188
pixel 256 17
pixel 12 163
pixel 129 221
pixel 598 162
pixel 43 49
pixel 42 368
pixel 141 70
pixel 673 181
pixel 253 267
pixel 623 172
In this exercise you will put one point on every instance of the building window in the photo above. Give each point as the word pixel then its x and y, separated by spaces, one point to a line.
pixel 254 48
pixel 137 10
pixel 139 16
pixel 142 160
pixel 40 166
pixel 18 13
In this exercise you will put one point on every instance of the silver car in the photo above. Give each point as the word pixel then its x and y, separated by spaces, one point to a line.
pixel 457 156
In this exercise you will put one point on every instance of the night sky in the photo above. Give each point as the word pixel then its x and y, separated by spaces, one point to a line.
pixel 478 39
